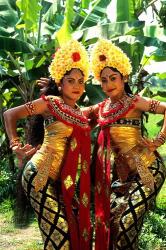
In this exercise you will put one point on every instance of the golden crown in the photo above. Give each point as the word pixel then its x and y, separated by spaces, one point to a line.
pixel 71 55
pixel 106 54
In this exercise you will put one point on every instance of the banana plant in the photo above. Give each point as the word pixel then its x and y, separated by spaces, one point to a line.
pixel 30 31
pixel 28 49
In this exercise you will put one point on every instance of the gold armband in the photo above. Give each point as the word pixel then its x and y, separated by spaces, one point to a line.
pixel 153 105
pixel 30 107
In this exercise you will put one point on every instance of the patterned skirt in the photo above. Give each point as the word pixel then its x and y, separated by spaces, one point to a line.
pixel 129 203
pixel 49 209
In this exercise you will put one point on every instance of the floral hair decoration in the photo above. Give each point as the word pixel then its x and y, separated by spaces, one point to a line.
pixel 69 56
pixel 106 54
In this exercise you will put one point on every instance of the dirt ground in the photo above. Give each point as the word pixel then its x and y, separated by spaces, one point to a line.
pixel 12 238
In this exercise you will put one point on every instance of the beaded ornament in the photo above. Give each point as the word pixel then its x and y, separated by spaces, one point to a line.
pixel 106 54
pixel 71 55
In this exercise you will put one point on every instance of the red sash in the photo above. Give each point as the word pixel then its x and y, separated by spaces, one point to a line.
pixel 80 145
pixel 108 114
pixel 102 192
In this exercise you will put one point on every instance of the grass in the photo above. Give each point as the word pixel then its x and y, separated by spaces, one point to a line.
pixel 14 238
pixel 153 129
pixel 29 238
pixel 153 233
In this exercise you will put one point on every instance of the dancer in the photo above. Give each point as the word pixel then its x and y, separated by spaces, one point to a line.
pixel 56 179
pixel 125 190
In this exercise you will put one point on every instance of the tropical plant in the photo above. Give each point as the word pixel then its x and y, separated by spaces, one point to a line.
pixel 153 233
pixel 30 31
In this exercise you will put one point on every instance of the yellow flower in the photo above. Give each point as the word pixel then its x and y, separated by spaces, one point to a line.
pixel 106 54
pixel 71 55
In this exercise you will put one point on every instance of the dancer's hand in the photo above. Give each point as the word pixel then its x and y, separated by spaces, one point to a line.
pixel 24 152
pixel 150 144
pixel 43 82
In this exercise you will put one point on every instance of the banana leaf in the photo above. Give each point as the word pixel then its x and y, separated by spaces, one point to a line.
pixel 94 93
pixel 15 45
pixel 111 30
pixel 64 33
pixel 8 17
pixel 125 10
pixel 30 13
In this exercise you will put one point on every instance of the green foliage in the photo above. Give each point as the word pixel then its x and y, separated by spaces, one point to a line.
pixel 162 14
pixel 15 45
pixel 25 51
pixel 7 182
pixel 6 206
pixel 161 197
pixel 153 235
pixel 8 17
pixel 126 10
pixel 29 14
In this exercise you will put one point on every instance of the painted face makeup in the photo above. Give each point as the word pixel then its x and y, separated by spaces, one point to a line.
pixel 72 86
pixel 112 83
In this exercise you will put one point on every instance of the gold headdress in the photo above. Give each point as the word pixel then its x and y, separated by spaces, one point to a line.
pixel 69 56
pixel 106 54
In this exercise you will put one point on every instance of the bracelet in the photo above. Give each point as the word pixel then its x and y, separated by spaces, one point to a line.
pixel 14 142
pixel 153 105
pixel 160 139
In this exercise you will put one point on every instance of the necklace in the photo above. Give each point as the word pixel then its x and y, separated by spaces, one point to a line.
pixel 66 113
pixel 110 112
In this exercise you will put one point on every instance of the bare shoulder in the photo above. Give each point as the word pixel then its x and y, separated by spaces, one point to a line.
pixel 142 103
pixel 146 104
pixel 37 106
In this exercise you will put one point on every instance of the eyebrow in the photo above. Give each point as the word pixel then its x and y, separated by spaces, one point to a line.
pixel 110 75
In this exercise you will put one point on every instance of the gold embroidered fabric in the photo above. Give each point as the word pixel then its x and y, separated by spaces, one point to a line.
pixel 73 144
pixel 130 156
pixel 48 159
pixel 43 168
pixel 85 166
pixel 98 186
pixel 85 234
pixel 85 200
pixel 68 182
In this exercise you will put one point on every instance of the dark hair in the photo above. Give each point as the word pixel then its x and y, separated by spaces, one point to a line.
pixel 126 85
pixel 36 128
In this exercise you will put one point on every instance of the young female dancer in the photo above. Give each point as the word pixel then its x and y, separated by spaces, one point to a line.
pixel 125 190
pixel 58 192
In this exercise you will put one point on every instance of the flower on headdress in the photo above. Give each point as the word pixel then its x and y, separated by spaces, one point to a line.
pixel 71 55
pixel 102 57
pixel 76 56
pixel 106 54
pixel 53 55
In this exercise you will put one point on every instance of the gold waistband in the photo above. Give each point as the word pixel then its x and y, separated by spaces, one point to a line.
pixel 137 159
